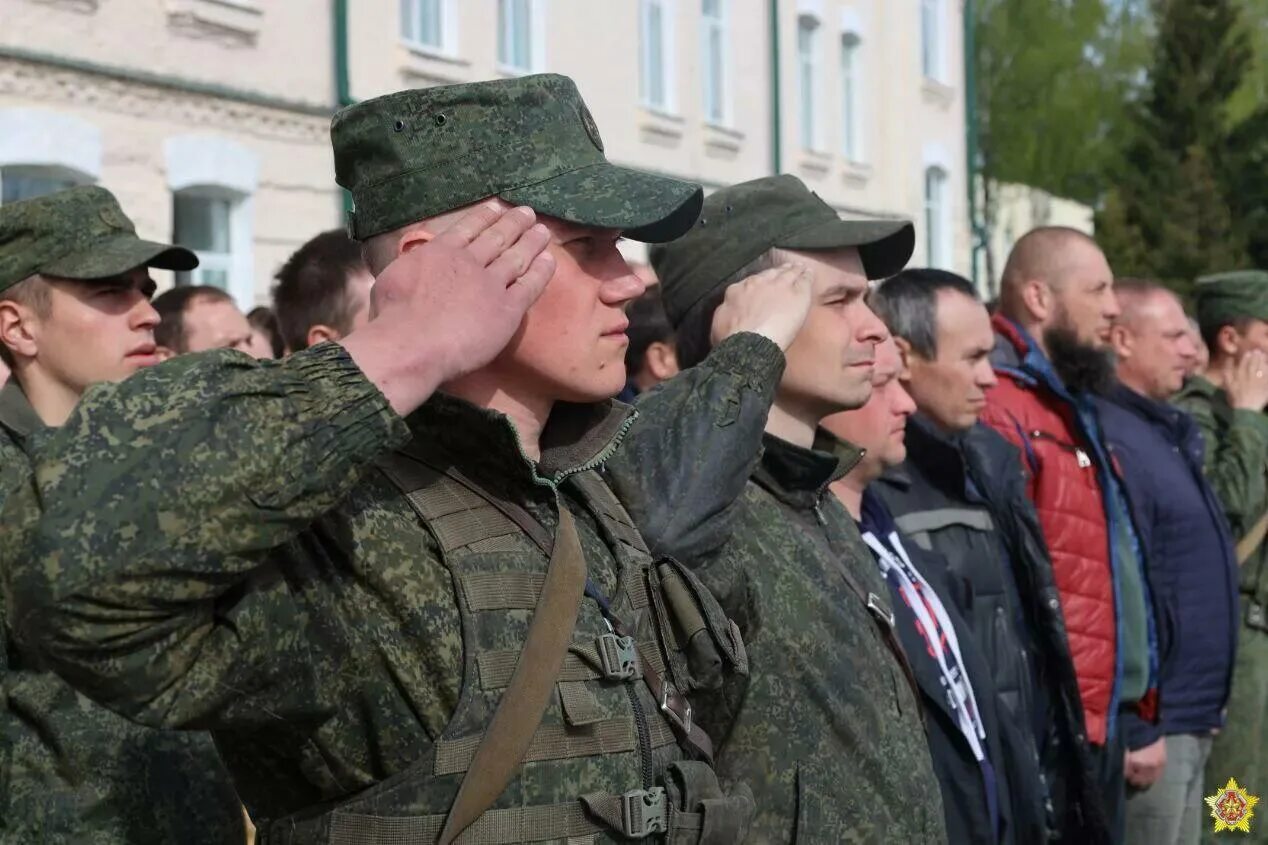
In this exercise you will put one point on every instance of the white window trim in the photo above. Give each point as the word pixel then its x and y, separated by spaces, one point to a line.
pixel 941 239
pixel 448 48
pixel 46 138
pixel 669 40
pixel 216 164
pixel 537 12
pixel 727 119
pixel 815 142
pixel 853 136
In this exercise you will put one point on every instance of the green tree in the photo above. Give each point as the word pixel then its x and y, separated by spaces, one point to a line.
pixel 1171 212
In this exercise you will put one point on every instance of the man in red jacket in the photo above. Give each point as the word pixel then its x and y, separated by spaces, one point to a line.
pixel 1057 306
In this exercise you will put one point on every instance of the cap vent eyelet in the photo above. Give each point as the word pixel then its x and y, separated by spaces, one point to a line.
pixel 441 120
pixel 399 126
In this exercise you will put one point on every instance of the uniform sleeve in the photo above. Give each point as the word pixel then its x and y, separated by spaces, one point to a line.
pixel 698 437
pixel 1237 463
pixel 145 525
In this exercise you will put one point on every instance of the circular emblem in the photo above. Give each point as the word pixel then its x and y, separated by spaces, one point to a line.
pixel 592 128
pixel 113 217
pixel 1232 807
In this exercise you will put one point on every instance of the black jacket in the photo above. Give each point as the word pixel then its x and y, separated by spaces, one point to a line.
pixel 1017 790
pixel 964 497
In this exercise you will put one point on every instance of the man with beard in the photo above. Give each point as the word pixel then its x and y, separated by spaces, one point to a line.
pixel 1057 306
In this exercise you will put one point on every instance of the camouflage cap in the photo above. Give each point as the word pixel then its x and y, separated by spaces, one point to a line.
pixel 79 233
pixel 531 141
pixel 740 223
pixel 1221 298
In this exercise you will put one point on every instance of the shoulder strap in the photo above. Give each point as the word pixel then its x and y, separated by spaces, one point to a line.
pixel 520 711
pixel 1254 538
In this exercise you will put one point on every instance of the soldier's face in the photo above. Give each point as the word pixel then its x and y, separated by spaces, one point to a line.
pixel 829 364
pixel 950 388
pixel 1084 303
pixel 880 426
pixel 215 324
pixel 571 345
pixel 96 331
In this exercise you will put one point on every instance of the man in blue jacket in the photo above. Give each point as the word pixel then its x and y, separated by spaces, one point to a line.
pixel 1191 562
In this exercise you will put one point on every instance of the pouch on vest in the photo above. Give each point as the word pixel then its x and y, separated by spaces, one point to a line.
pixel 708 643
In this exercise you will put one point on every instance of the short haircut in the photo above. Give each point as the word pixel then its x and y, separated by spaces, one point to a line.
pixel 32 292
pixel 908 305
pixel 648 325
pixel 693 338
pixel 171 306
pixel 264 320
pixel 312 287
pixel 1038 254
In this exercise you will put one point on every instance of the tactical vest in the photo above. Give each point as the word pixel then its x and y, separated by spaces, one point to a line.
pixel 604 764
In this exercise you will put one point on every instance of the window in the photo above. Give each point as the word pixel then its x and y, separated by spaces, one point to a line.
pixel 515 41
pixel 656 59
pixel 713 51
pixel 851 90
pixel 424 22
pixel 807 79
pixel 201 222
pixel 213 181
pixel 936 223
pixel 931 38
pixel 20 182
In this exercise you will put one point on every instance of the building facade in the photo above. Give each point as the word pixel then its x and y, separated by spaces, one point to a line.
pixel 209 118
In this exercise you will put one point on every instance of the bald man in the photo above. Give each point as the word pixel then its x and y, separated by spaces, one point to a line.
pixel 1192 568
pixel 1052 352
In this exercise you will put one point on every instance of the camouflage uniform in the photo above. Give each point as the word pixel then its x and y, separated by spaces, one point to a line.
pixel 71 770
pixel 252 567
pixel 827 729
pixel 1236 463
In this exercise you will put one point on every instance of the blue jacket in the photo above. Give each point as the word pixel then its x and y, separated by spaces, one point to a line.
pixel 1190 554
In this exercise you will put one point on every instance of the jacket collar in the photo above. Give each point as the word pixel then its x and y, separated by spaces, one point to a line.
pixel 1017 354
pixel 16 413
pixel 1143 406
pixel 937 455
pixel 798 476
pixel 576 438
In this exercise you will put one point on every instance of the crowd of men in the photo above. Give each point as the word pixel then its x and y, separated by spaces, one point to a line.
pixel 866 560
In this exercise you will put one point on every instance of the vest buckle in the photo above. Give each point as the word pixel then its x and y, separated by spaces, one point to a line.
pixel 878 610
pixel 681 720
pixel 619 656
pixel 644 812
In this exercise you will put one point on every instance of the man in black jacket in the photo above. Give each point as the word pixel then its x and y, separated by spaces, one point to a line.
pixel 984 763
pixel 961 493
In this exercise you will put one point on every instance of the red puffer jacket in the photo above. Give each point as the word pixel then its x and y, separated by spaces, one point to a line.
pixel 1064 487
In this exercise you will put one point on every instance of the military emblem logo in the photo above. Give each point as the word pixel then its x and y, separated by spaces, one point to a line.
pixel 113 217
pixel 1232 807
pixel 592 128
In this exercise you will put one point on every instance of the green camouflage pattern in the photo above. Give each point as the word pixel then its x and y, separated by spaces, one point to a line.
pixel 826 729
pixel 72 771
pixel 1221 298
pixel 530 140
pixel 1236 464
pixel 740 223
pixel 79 233
pixel 247 572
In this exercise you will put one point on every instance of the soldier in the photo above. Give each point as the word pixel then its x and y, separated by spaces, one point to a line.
pixel 1227 404
pixel 322 291
pixel 75 311
pixel 827 728
pixel 371 590
pixel 196 318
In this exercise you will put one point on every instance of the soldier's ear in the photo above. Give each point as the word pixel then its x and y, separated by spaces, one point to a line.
pixel 904 355
pixel 16 329
pixel 321 332
pixel 1228 340
pixel 1037 296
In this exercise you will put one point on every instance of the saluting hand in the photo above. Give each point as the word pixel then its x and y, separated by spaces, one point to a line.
pixel 773 303
pixel 1248 384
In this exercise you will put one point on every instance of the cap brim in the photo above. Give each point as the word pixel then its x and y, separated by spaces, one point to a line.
pixel 644 206
pixel 884 245
pixel 116 256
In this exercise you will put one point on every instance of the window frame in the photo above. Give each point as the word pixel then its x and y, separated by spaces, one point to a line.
pixel 932 30
pixel 937 216
pixel 809 87
pixel 668 65
pixel 448 11
pixel 853 86
pixel 719 111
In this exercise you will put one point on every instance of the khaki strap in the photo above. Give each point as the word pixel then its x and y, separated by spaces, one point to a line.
pixel 518 714
pixel 1254 538
pixel 517 824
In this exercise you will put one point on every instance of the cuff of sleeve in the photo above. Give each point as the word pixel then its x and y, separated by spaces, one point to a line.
pixel 755 359
pixel 1256 420
pixel 336 392
pixel 1137 733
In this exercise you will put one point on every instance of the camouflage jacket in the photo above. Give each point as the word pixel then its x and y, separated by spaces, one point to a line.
pixel 72 771
pixel 826 730
pixel 1236 463
pixel 246 571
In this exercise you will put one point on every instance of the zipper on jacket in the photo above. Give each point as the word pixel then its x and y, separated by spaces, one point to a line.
pixel 1080 455
pixel 644 729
